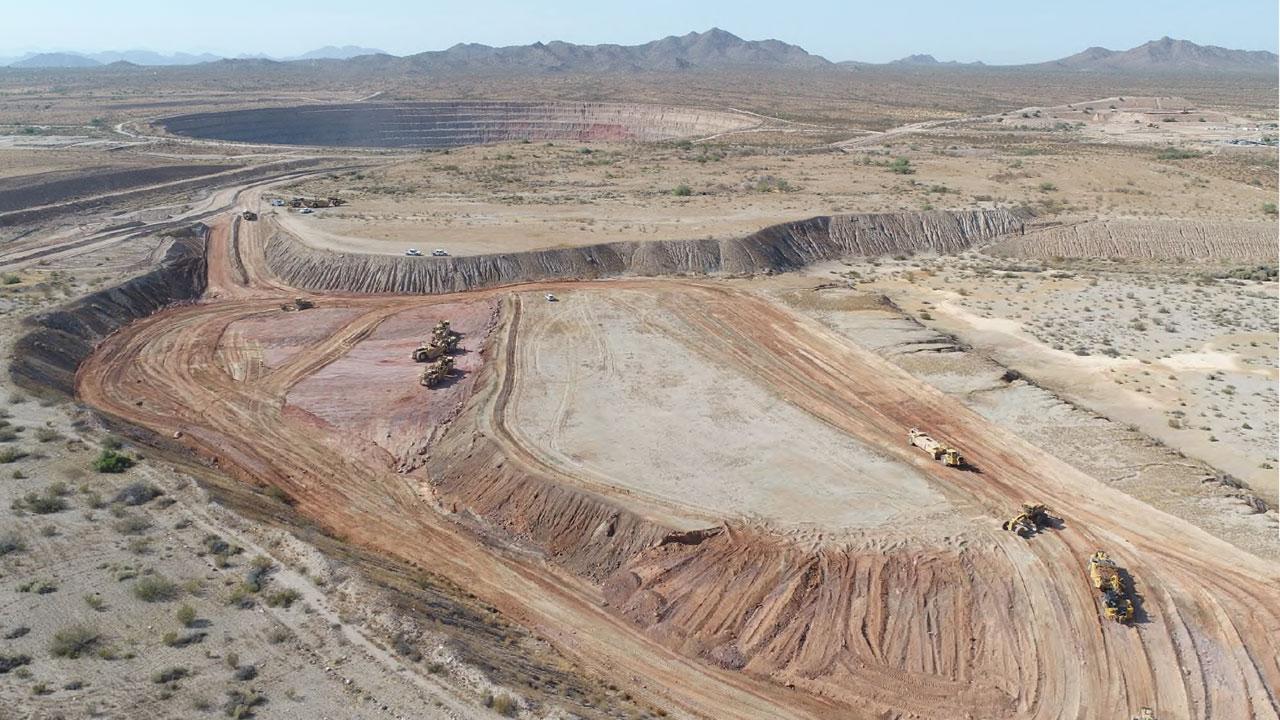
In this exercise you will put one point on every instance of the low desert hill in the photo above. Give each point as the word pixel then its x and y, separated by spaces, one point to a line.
pixel 1168 54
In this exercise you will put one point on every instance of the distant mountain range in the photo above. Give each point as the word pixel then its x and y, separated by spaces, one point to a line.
pixel 330 52
pixel 929 60
pixel 58 60
pixel 150 58
pixel 713 49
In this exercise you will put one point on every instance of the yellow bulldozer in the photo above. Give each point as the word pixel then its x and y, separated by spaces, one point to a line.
pixel 1106 579
pixel 1029 520
pixel 948 456
pixel 436 371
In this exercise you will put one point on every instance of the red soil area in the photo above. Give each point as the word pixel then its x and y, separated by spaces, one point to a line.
pixel 373 391
pixel 280 335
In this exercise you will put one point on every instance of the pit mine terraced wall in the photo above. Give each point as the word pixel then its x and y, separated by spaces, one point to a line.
pixel 453 124
pixel 46 358
pixel 788 246
pixel 1148 240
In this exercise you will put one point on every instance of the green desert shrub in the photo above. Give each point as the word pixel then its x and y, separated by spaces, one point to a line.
pixel 46 503
pixel 11 662
pixel 156 588
pixel 138 493
pixel 168 675
pixel 74 640
pixel 11 542
pixel 110 461
pixel 1174 153
pixel 283 598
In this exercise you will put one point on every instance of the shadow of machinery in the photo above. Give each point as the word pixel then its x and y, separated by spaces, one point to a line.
pixel 1140 615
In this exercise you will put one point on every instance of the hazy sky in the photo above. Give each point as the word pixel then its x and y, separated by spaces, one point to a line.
pixel 996 31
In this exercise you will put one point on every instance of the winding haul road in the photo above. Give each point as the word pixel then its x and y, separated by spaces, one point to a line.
pixel 1023 639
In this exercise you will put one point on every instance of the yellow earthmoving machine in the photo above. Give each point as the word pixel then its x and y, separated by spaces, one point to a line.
pixel 1105 576
pixel 948 456
pixel 301 202
pixel 445 334
pixel 428 352
pixel 436 371
pixel 297 304
pixel 1029 520
pixel 443 341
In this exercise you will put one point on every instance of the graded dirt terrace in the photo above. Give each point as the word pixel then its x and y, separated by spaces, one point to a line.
pixel 615 386
pixel 967 620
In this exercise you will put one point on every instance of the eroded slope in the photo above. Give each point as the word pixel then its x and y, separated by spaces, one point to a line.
pixel 781 247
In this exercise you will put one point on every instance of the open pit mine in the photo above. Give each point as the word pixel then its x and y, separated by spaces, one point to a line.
pixel 453 124
pixel 678 481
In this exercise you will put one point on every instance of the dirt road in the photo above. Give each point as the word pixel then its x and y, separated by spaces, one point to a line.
pixel 40 246
pixel 982 623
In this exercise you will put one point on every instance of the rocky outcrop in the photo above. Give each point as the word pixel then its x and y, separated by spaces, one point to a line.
pixel 788 246
pixel 1229 241
pixel 47 357
pixel 453 124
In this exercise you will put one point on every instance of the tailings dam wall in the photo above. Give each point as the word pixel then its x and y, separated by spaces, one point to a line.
pixel 788 246
pixel 49 354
